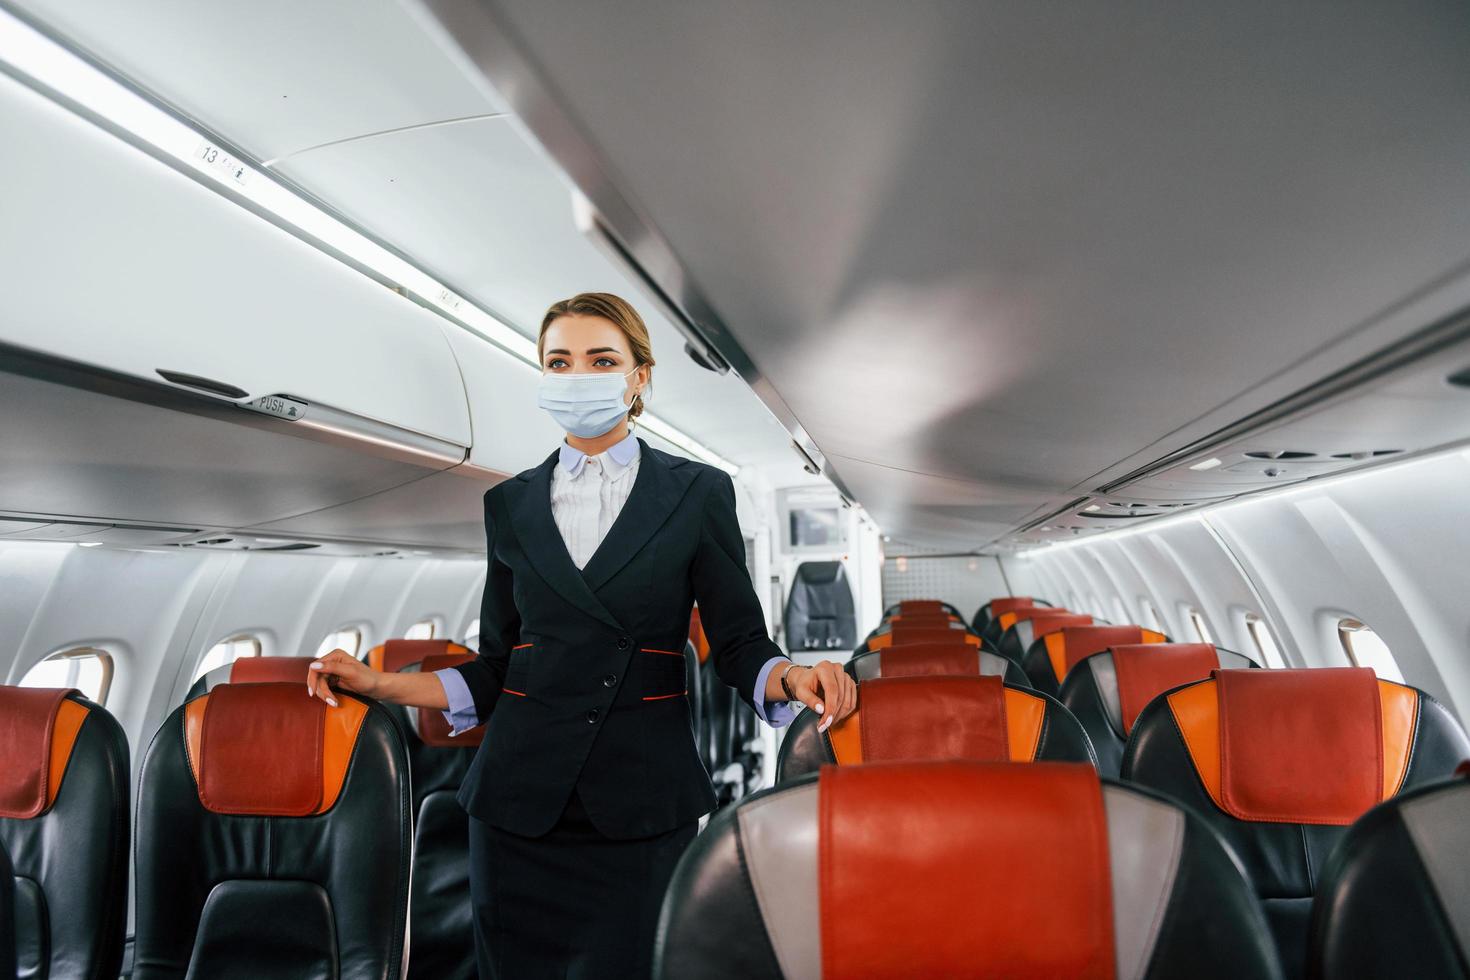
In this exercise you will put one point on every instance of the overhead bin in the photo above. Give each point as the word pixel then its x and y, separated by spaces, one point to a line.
pixel 115 260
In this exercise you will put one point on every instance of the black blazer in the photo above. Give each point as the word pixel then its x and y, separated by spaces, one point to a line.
pixel 580 676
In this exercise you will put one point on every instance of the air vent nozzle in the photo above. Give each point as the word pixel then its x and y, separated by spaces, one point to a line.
pixel 1280 454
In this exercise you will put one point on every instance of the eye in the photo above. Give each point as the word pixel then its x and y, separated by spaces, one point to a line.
pixel 604 362
pixel 556 363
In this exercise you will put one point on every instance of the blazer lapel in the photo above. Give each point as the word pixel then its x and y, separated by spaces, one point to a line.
pixel 656 491
pixel 541 541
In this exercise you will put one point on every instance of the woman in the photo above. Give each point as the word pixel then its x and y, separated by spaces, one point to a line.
pixel 588 784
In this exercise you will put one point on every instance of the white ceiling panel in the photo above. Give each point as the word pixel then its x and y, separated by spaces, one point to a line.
pixel 275 76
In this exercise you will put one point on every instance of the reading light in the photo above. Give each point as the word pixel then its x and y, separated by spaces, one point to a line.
pixel 70 79
pixel 1205 464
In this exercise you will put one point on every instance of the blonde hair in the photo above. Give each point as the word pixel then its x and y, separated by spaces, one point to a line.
pixel 622 314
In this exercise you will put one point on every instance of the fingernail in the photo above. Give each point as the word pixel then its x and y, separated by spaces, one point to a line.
pixel 819 708
pixel 331 702
pixel 316 666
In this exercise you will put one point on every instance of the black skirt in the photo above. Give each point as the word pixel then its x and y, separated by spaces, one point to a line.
pixel 571 904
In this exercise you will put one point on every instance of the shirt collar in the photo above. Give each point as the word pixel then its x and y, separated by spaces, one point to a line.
pixel 616 457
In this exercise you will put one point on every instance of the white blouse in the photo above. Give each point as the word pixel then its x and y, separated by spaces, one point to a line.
pixel 588 493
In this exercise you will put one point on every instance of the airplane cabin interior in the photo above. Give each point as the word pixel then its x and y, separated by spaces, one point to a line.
pixel 1093 381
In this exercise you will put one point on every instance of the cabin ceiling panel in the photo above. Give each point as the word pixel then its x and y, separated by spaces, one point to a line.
pixel 276 76
pixel 444 510
pixel 1024 242
pixel 936 511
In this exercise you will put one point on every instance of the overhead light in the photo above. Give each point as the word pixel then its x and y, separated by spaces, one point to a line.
pixel 63 75
pixel 1093 508
pixel 1205 464
pixel 89 544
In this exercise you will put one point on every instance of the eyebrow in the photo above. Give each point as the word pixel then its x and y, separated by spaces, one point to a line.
pixel 590 350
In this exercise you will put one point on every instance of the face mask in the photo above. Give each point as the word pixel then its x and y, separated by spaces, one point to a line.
pixel 585 405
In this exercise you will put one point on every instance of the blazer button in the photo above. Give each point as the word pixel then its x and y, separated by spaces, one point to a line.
pixel 622 643
pixel 592 717
pixel 609 680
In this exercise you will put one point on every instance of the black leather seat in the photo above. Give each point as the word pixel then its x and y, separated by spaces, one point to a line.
pixel 1025 871
pixel 1394 900
pixel 986 620
pixel 441 934
pixel 1052 656
pixel 64 778
pixel 1026 626
pixel 819 609
pixel 1106 691
pixel 914 719
pixel 1279 762
pixel 393 655
pixel 274 839
pixel 7 918
pixel 904 634
pixel 933 659
pixel 252 670
pixel 922 607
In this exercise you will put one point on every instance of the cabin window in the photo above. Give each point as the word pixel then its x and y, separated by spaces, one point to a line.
pixel 422 630
pixel 1151 616
pixel 1265 643
pixel 1201 628
pixel 1366 648
pixel 87 669
pixel 349 638
pixel 1120 611
pixel 227 652
pixel 472 635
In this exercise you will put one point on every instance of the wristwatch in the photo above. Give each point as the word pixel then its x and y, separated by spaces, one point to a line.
pixel 790 694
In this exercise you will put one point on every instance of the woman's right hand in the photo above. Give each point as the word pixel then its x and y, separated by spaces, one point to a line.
pixel 341 669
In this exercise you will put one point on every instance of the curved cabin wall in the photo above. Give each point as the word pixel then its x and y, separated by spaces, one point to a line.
pixel 1385 546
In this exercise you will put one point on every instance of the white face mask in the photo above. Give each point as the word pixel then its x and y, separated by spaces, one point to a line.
pixel 585 405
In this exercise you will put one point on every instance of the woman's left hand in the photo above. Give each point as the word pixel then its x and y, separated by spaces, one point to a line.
pixel 826 689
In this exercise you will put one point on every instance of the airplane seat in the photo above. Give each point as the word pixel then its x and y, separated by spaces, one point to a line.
pixel 917 719
pixel 1024 872
pixel 1026 626
pixel 717 747
pixel 7 917
pixel 274 839
pixel 64 789
pixel 441 934
pixel 393 655
pixel 695 686
pixel 1280 762
pixel 819 610
pixel 986 619
pixel 252 670
pixel 1106 691
pixel 1050 658
pixel 749 746
pixel 921 607
pixel 929 659
pixel 1393 900
pixel 901 635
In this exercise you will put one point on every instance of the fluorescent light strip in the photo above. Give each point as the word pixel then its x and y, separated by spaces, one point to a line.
pixel 52 66
pixel 1202 514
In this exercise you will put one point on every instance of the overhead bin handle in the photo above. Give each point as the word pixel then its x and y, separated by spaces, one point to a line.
pixel 198 383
